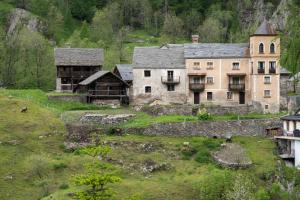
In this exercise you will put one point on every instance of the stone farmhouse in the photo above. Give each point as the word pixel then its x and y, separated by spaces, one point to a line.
pixel 206 73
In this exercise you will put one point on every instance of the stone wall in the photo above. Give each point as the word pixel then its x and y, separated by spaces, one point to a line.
pixel 210 128
pixel 79 98
pixel 158 110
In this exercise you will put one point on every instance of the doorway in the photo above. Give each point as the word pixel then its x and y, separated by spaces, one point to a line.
pixel 242 98
pixel 196 97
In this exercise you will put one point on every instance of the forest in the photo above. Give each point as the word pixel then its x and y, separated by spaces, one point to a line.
pixel 31 29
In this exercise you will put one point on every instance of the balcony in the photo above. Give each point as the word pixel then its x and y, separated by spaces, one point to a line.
pixel 170 80
pixel 107 93
pixel 197 86
pixel 236 87
pixel 272 71
pixel 260 71
pixel 66 87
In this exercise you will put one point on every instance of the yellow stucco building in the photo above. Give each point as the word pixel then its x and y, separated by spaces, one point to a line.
pixel 211 73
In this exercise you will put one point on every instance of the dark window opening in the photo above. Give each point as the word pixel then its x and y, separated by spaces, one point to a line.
pixel 147 73
pixel 209 96
pixel 148 89
pixel 171 88
pixel 261 48
pixel 272 48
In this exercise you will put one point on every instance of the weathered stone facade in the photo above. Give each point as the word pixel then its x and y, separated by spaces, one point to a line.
pixel 103 119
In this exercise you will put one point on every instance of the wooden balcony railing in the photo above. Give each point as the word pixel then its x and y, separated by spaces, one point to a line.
pixel 260 71
pixel 272 71
pixel 170 79
pixel 197 86
pixel 75 73
pixel 236 87
pixel 107 92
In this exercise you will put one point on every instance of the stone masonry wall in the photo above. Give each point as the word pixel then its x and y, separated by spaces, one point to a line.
pixel 158 110
pixel 79 98
pixel 209 128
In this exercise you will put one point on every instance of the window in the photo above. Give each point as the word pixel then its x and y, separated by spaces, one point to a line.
pixel 148 89
pixel 209 96
pixel 196 63
pixel 288 125
pixel 147 73
pixel 266 107
pixel 235 66
pixel 261 67
pixel 170 75
pixel 235 80
pixel 171 88
pixel 295 125
pixel 210 65
pixel 197 79
pixel 267 79
pixel 210 80
pixel 267 93
pixel 272 48
pixel 261 48
pixel 272 67
pixel 229 95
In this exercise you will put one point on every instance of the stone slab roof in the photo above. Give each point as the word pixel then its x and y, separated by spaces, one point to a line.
pixel 125 71
pixel 265 28
pixel 284 71
pixel 292 117
pixel 78 57
pixel 168 56
pixel 216 50
pixel 93 77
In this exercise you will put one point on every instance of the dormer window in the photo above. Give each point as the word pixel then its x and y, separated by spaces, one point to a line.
pixel 261 48
pixel 272 48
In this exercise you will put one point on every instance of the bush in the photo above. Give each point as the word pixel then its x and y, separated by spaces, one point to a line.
pixel 64 186
pixel 203 115
pixel 58 166
pixel 203 156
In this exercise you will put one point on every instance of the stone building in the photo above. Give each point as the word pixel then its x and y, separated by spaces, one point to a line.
pixel 210 73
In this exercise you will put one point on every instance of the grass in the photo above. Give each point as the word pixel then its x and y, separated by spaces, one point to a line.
pixel 39 97
pixel 42 170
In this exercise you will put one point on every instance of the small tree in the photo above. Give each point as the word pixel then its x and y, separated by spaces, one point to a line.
pixel 173 27
pixel 97 183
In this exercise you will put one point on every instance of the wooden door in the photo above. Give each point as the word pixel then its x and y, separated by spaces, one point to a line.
pixel 242 98
pixel 196 98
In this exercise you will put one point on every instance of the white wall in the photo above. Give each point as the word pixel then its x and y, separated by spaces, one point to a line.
pixel 158 89
pixel 297 153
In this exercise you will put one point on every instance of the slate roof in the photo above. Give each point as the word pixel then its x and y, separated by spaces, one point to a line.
pixel 93 77
pixel 125 71
pixel 97 75
pixel 284 71
pixel 265 29
pixel 168 56
pixel 78 57
pixel 216 50
pixel 292 117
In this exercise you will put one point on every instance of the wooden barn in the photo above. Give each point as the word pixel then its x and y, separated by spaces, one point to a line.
pixel 75 65
pixel 124 71
pixel 104 87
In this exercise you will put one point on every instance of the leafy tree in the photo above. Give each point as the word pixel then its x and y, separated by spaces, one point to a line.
pixel 173 27
pixel 97 183
pixel 83 10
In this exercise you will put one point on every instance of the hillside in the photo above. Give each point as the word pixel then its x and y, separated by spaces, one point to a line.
pixel 36 165
pixel 30 29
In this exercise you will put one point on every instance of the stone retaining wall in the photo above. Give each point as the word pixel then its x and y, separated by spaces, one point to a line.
pixel 200 128
pixel 209 128
pixel 79 98
pixel 158 110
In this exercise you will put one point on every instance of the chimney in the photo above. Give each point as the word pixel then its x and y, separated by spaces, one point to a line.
pixel 195 39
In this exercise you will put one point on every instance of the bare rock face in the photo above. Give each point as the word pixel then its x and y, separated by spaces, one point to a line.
pixel 233 156
pixel 20 17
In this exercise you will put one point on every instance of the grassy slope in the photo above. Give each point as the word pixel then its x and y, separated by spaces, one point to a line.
pixel 33 161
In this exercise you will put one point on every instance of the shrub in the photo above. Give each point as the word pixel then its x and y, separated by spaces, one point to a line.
pixel 203 156
pixel 64 186
pixel 59 166
pixel 214 185
pixel 203 115
pixel 38 165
